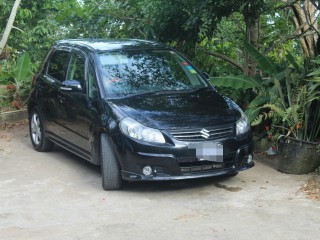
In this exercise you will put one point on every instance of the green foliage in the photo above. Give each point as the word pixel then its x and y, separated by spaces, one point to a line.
pixel 264 62
pixel 189 26
pixel 227 37
pixel 277 85
pixel 285 95
pixel 290 116
pixel 181 23
pixel 35 29
pixel 235 82
pixel 297 119
pixel 259 119
pixel 18 81
pixel 244 82
pixel 253 108
pixel 23 68
pixel 187 20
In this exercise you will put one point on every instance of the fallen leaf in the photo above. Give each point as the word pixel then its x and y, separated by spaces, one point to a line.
pixel 312 188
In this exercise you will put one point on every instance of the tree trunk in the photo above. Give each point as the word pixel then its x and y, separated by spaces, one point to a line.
pixel 252 37
pixel 9 26
pixel 251 15
pixel 305 21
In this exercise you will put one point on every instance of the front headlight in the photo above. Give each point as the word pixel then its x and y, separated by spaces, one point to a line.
pixel 138 131
pixel 242 125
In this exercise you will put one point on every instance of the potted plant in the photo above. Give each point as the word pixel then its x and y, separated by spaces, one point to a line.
pixel 297 124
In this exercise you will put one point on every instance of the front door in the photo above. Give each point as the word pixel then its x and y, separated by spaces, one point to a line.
pixel 78 112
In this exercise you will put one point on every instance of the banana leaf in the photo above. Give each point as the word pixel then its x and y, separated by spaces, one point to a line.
pixel 235 82
pixel 259 101
pixel 264 62
pixel 252 114
pixel 23 68
pixel 254 107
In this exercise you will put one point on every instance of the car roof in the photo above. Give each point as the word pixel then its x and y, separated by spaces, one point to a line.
pixel 109 44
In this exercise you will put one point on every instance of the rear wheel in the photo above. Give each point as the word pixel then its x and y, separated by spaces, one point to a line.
pixel 110 168
pixel 39 142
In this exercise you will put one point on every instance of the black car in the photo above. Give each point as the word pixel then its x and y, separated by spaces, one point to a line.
pixel 138 108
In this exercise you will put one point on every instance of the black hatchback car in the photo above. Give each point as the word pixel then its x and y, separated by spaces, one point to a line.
pixel 138 108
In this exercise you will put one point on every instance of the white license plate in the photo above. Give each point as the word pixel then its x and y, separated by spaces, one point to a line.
pixel 208 151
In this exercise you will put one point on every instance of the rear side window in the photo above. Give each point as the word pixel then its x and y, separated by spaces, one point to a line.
pixel 58 65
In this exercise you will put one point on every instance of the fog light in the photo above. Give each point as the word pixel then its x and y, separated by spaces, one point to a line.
pixel 147 170
pixel 250 158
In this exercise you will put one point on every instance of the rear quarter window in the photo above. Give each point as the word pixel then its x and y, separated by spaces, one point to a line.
pixel 58 65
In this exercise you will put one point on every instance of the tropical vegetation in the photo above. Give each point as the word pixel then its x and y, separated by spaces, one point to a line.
pixel 261 53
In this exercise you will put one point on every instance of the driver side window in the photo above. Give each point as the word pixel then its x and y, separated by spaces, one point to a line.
pixel 76 69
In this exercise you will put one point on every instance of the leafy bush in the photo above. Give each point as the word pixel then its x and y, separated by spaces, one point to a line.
pixel 17 83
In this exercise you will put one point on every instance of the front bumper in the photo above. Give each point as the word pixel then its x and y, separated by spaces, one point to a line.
pixel 175 161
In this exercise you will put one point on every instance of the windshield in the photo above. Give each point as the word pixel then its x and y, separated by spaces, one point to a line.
pixel 138 72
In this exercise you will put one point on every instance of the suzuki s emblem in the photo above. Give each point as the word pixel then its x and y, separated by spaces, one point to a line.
pixel 205 133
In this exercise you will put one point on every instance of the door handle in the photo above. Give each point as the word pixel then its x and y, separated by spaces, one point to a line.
pixel 66 88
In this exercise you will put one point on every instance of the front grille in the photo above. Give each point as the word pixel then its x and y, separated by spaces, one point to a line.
pixel 205 166
pixel 202 134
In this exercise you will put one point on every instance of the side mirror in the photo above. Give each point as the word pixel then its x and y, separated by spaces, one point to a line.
pixel 71 86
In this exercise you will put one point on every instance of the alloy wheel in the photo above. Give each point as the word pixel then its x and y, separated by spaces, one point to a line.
pixel 36 133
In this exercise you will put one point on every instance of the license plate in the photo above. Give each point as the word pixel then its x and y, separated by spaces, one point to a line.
pixel 208 151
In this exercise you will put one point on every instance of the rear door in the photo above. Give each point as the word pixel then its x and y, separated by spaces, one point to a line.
pixel 48 92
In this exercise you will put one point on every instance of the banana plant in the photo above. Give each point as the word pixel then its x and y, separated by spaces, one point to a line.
pixel 22 75
pixel 18 81
pixel 278 84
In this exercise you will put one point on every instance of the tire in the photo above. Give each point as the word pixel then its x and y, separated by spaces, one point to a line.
pixel 38 139
pixel 110 168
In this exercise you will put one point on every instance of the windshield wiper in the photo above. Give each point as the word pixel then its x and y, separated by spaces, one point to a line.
pixel 198 89
pixel 158 92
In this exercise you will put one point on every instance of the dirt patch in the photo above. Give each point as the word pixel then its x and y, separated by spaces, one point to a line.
pixel 5 126
pixel 230 189
pixel 312 188
pixel 10 133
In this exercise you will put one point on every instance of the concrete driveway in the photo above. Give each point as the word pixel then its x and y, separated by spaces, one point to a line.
pixel 56 195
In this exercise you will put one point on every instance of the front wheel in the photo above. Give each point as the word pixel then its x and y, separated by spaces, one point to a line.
pixel 110 168
pixel 39 142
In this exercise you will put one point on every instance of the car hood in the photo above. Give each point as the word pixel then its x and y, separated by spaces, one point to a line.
pixel 200 108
